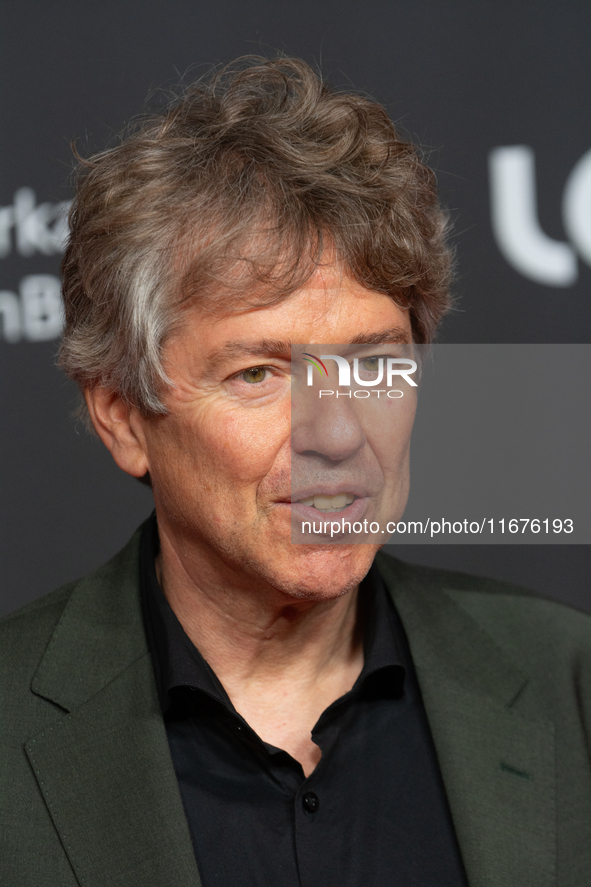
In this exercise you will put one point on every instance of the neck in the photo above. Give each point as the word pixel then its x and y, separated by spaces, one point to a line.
pixel 281 660
pixel 251 633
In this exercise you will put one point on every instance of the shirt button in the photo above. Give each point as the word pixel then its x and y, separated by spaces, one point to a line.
pixel 311 802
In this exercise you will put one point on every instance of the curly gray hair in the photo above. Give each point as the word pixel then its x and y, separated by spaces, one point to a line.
pixel 228 198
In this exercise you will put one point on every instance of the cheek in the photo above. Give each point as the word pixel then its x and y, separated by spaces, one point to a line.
pixel 388 429
pixel 243 447
pixel 221 448
pixel 259 447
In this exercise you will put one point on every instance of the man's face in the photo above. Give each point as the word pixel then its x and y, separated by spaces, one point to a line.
pixel 221 460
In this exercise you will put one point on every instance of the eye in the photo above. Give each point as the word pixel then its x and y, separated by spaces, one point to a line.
pixel 371 364
pixel 254 375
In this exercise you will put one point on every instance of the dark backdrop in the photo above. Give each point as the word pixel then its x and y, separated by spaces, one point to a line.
pixel 464 78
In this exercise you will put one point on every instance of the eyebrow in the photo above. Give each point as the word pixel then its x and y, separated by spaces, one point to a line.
pixel 262 348
pixel 282 348
pixel 395 335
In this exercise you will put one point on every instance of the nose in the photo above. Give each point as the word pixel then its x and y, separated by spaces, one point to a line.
pixel 326 426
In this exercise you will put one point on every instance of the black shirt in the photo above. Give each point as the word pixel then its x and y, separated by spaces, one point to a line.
pixel 372 814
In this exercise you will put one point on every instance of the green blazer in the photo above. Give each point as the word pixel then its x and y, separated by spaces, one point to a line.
pixel 88 794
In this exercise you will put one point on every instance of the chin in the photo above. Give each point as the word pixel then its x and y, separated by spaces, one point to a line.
pixel 324 572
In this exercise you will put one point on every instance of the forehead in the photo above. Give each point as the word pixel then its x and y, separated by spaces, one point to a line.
pixel 331 307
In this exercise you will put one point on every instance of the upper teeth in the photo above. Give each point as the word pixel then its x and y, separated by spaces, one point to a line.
pixel 329 503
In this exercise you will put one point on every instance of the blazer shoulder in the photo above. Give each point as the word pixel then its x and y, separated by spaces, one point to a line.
pixel 437 578
pixel 25 637
pixel 527 625
pixel 24 634
pixel 59 650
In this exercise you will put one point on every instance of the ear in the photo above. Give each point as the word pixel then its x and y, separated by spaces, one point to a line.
pixel 120 428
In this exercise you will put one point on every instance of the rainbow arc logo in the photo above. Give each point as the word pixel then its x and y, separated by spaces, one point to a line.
pixel 315 361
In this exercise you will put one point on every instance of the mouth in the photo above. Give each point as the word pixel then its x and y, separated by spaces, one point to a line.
pixel 349 504
pixel 341 506
pixel 329 504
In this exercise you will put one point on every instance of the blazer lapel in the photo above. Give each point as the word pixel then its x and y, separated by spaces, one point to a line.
pixel 105 769
pixel 497 765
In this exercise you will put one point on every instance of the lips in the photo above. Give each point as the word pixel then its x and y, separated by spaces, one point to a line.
pixel 329 504
pixel 348 501
pixel 326 488
pixel 357 510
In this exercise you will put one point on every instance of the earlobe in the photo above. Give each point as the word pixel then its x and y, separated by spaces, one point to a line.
pixel 119 427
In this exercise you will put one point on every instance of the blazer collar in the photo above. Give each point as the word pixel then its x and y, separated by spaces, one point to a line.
pixel 497 764
pixel 100 633
pixel 441 630
pixel 104 769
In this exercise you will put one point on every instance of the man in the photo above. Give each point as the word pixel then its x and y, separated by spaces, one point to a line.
pixel 219 705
